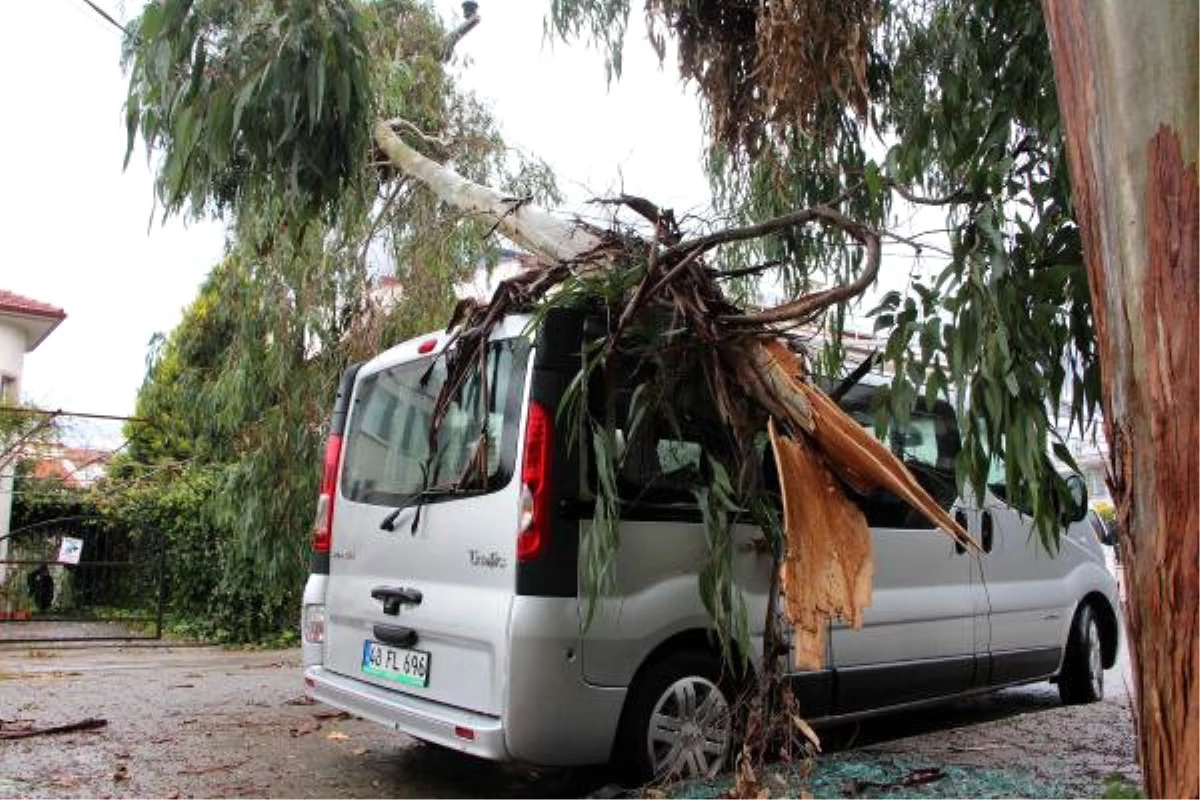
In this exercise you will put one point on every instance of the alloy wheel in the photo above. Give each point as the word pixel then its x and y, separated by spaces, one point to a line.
pixel 690 729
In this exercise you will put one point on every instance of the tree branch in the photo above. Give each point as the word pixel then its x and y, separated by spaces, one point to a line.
pixel 959 196
pixel 532 227
pixel 742 272
pixel 458 33
pixel 808 306
pixel 378 221
pixel 91 723
pixel 400 122
pixel 663 219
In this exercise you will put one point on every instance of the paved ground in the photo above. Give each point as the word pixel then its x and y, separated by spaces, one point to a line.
pixel 204 722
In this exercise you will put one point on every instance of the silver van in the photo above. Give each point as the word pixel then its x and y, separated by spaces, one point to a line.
pixel 453 613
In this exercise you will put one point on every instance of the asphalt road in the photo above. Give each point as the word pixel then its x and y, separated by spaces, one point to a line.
pixel 206 722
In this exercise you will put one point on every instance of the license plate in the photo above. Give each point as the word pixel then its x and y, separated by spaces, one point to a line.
pixel 395 663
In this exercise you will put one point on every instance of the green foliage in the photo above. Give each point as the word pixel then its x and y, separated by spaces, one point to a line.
pixel 261 112
pixel 49 504
pixel 236 400
pixel 248 100
pixel 602 21
pixel 961 96
pixel 1118 787
pixel 1007 324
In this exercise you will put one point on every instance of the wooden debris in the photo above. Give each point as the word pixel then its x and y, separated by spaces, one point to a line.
pixel 866 463
pixel 91 723
pixel 828 570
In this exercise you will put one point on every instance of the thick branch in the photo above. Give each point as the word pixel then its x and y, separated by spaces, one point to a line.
pixel 807 306
pixel 532 227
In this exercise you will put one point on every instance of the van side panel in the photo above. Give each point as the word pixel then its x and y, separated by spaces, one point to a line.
pixel 658 595
pixel 553 717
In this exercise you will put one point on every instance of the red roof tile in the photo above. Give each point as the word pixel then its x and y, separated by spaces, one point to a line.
pixel 15 303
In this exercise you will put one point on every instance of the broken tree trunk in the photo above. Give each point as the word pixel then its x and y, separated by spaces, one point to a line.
pixel 828 543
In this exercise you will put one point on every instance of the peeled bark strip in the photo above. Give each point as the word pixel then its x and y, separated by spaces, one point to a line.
pixel 858 457
pixel 828 569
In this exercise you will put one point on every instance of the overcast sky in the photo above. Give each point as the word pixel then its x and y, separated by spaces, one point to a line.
pixel 79 232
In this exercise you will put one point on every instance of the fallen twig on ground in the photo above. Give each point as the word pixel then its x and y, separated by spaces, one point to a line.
pixel 214 768
pixel 91 723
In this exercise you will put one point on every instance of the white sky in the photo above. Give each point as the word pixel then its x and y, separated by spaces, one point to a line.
pixel 78 229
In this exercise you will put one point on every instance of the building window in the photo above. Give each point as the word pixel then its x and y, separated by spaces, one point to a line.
pixel 8 390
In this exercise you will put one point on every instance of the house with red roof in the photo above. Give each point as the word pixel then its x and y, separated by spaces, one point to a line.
pixel 24 324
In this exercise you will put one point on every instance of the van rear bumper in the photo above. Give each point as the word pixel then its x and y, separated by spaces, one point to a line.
pixel 432 722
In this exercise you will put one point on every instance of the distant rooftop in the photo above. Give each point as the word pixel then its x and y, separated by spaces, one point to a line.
pixel 34 316
pixel 15 303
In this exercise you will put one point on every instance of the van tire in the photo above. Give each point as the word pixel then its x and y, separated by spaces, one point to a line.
pixel 1081 679
pixel 687 693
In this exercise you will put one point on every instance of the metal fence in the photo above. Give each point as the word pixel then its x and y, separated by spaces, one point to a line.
pixel 82 583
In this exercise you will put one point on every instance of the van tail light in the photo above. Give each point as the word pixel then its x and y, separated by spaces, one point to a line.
pixel 323 526
pixel 535 484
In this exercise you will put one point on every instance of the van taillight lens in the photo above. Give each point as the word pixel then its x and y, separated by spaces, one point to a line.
pixel 323 528
pixel 535 484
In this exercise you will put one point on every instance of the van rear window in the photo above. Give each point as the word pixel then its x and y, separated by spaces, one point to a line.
pixel 388 454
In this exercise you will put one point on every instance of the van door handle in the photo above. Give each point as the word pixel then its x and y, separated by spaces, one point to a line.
pixel 989 532
pixel 960 517
pixel 394 597
pixel 395 635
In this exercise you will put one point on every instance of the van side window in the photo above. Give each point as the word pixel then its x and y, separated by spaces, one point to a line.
pixel 660 466
pixel 661 459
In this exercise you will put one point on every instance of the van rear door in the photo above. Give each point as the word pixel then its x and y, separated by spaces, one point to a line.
pixel 422 568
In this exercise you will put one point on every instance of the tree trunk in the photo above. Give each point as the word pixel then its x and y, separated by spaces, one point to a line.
pixel 1127 87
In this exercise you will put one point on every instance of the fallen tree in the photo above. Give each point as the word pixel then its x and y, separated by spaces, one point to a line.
pixel 292 123
pixel 755 380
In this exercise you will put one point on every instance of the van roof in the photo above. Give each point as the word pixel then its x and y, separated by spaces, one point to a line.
pixel 509 327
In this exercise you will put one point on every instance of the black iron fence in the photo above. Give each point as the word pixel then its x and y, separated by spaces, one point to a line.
pixel 81 583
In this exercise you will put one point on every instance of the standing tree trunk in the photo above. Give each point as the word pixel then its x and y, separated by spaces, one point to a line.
pixel 1127 87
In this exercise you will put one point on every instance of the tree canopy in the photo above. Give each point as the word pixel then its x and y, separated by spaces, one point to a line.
pixel 886 106
pixel 262 117
pixel 298 122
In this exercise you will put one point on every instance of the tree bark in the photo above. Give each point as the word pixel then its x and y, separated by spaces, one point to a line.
pixel 1127 88
pixel 532 227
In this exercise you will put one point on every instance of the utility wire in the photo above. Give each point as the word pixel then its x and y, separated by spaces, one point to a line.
pixel 107 17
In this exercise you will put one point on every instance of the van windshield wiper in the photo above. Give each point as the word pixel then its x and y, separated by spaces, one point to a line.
pixel 415 498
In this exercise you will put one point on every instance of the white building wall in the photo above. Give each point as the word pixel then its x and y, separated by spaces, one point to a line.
pixel 12 354
pixel 12 359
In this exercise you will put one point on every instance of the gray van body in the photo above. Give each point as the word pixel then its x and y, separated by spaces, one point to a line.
pixel 437 628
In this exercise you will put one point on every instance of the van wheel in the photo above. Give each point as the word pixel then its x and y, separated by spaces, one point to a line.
pixel 679 723
pixel 1082 676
